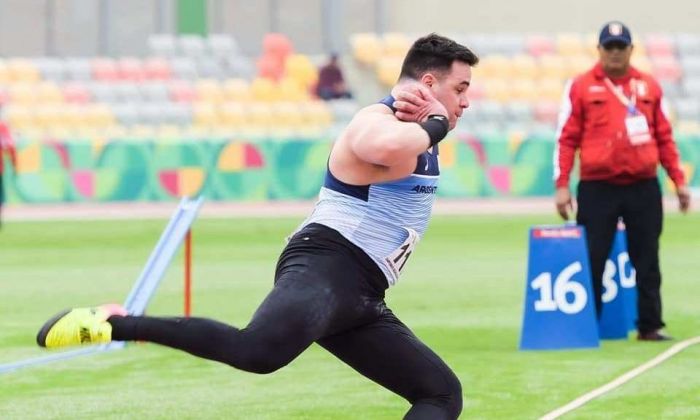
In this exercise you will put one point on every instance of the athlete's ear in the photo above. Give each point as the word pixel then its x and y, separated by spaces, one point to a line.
pixel 428 79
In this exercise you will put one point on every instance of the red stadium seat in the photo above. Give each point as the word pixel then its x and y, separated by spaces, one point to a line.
pixel 182 91
pixel 104 69
pixel 666 68
pixel 537 45
pixel 278 45
pixel 155 68
pixel 270 67
pixel 660 45
pixel 131 68
pixel 547 112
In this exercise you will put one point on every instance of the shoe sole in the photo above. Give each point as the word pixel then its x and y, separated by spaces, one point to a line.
pixel 44 331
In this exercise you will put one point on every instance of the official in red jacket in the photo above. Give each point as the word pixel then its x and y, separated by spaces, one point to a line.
pixel 613 116
pixel 6 145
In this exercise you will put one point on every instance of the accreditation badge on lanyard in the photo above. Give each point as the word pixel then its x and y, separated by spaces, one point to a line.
pixel 635 122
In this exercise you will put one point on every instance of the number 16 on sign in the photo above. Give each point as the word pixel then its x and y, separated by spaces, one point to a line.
pixel 559 309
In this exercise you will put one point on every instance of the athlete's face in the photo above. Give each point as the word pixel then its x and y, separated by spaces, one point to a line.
pixel 451 89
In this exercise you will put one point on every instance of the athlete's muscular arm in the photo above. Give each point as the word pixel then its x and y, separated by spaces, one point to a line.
pixel 379 137
pixel 376 136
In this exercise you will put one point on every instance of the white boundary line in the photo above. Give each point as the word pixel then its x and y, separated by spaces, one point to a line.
pixel 583 399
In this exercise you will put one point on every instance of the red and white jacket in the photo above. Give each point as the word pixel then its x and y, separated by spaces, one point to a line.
pixel 592 120
pixel 6 144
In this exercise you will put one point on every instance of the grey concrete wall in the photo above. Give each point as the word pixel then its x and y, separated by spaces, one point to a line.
pixel 542 15
pixel 78 27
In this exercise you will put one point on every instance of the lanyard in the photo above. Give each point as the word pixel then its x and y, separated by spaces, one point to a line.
pixel 631 102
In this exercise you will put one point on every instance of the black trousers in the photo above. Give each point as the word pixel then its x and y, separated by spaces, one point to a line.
pixel 326 291
pixel 600 204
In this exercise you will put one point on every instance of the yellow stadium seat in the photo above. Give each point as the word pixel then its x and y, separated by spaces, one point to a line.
pixel 316 113
pixel 96 115
pixel 209 90
pixel 22 93
pixel 61 132
pixel 642 63
pixel 261 114
pixel 550 89
pixel 205 114
pixel 233 114
pixel 577 64
pixel 299 68
pixel 4 72
pixel 88 133
pixel 388 70
pixel 32 133
pixel 250 132
pixel 223 131
pixel 524 89
pixel 142 132
pixel 553 67
pixel 366 48
pixel 71 116
pixel 263 90
pixel 22 70
pixel 288 114
pixel 590 41
pixel 639 49
pixel 114 132
pixel 48 92
pixel 237 90
pixel 524 66
pixel 570 44
pixel 19 116
pixel 196 132
pixel 168 132
pixel 290 90
pixel 48 115
pixel 494 66
pixel 497 90
pixel 395 45
pixel 688 127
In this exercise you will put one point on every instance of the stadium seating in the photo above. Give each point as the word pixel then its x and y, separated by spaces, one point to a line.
pixel 526 73
pixel 188 85
pixel 195 86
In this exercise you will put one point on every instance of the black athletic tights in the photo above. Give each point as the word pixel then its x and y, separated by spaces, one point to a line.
pixel 326 291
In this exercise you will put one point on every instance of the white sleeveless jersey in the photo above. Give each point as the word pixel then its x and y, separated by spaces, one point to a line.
pixel 385 220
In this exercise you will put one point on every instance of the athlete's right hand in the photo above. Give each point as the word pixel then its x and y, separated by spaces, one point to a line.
pixel 414 102
pixel 563 201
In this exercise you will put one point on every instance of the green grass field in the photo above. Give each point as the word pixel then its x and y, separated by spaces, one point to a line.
pixel 462 293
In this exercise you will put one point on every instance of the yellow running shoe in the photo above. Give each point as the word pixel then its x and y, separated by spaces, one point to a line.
pixel 80 326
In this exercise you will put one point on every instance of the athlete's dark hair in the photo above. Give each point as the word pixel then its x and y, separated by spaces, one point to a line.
pixel 434 53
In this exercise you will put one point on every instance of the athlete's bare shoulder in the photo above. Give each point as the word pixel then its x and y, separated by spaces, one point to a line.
pixel 375 109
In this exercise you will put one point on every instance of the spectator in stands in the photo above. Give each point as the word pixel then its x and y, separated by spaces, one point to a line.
pixel 612 115
pixel 6 145
pixel 331 83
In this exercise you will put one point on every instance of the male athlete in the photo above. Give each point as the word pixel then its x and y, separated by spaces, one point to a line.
pixel 331 277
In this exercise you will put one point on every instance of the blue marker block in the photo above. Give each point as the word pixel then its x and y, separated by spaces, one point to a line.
pixel 559 309
pixel 619 292
pixel 628 278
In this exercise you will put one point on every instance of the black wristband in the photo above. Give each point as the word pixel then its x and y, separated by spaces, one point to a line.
pixel 437 127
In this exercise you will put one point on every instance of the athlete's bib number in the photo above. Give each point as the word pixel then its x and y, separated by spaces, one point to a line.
pixel 397 259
